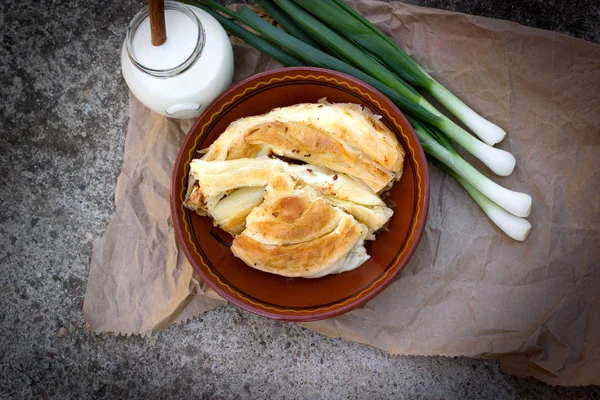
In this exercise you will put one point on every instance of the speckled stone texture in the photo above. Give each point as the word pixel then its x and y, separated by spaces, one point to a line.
pixel 63 117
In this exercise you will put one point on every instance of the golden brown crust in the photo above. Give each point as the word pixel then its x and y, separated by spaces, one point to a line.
pixel 243 149
pixel 195 199
pixel 374 217
pixel 300 259
pixel 291 213
pixel 390 153
pixel 302 141
pixel 295 219
pixel 295 232
pixel 230 145
pixel 351 123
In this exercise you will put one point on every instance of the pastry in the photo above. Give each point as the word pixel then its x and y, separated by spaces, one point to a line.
pixel 296 233
pixel 299 187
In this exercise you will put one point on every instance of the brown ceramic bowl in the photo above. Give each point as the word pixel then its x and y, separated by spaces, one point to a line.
pixel 300 299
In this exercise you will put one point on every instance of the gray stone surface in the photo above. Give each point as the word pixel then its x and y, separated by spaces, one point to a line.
pixel 63 116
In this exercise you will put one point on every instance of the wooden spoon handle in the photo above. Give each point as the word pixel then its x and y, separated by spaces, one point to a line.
pixel 157 21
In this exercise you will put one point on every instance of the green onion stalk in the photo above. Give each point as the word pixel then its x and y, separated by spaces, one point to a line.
pixel 251 38
pixel 365 34
pixel 499 161
pixel 504 207
pixel 286 22
pixel 515 227
pixel 516 203
pixel 312 56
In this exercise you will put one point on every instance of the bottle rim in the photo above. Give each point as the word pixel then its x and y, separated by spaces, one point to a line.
pixel 162 73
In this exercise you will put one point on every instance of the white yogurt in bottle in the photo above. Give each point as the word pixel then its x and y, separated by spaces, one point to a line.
pixel 186 73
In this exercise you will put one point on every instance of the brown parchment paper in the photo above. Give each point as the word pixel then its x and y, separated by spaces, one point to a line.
pixel 469 289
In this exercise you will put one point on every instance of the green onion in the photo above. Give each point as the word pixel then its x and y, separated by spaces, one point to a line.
pixel 361 31
pixel 252 39
pixel 516 227
pixel 516 203
pixel 430 125
pixel 213 4
pixel 499 161
pixel 315 57
pixel 286 22
pixel 312 56
pixel 355 14
pixel 349 52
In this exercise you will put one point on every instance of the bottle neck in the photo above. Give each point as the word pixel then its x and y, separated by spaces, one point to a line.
pixel 186 34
